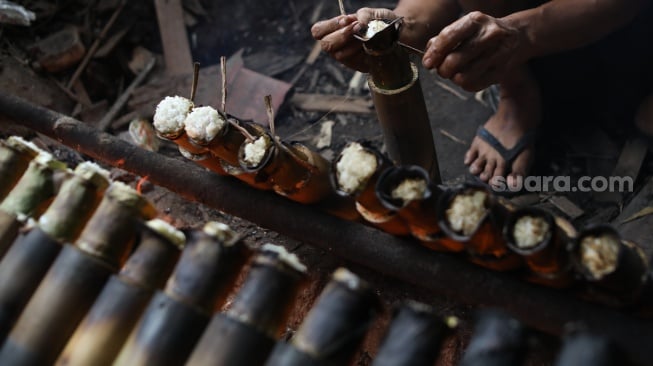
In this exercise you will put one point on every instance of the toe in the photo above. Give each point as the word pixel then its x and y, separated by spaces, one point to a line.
pixel 489 169
pixel 519 168
pixel 471 154
pixel 477 166
pixel 500 169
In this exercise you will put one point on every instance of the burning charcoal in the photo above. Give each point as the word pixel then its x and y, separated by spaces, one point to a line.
pixel 335 326
pixel 99 338
pixel 407 190
pixel 584 349
pixel 176 317
pixel 469 214
pixel 541 240
pixel 354 173
pixel 613 267
pixel 15 155
pixel 245 334
pixel 498 340
pixel 414 337
pixel 75 279
pixel 36 249
pixel 28 197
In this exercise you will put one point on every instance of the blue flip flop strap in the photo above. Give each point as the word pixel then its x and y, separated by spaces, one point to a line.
pixel 509 155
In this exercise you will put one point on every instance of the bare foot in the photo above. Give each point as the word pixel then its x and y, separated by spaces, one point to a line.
pixel 519 112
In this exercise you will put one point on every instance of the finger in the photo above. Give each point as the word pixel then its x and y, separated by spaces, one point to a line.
pixel 364 15
pixel 450 37
pixel 336 41
pixel 325 27
pixel 477 166
pixel 480 73
pixel 352 56
pixel 458 61
pixel 471 154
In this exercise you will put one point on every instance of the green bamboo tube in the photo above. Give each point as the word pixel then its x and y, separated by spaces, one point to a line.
pixel 245 334
pixel 15 155
pixel 176 317
pixel 37 248
pixel 107 325
pixel 28 197
pixel 335 326
pixel 75 279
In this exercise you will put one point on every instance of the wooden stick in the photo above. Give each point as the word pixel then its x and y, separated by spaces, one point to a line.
pixel 241 129
pixel 223 70
pixel 342 7
pixel 96 45
pixel 196 75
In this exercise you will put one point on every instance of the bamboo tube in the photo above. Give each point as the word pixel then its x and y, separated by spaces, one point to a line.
pixel 497 340
pixel 542 240
pixel 471 215
pixel 408 191
pixel 414 337
pixel 107 325
pixel 399 102
pixel 75 279
pixel 294 172
pixel 206 160
pixel 354 173
pixel 584 349
pixel 28 198
pixel 615 270
pixel 335 326
pixel 34 251
pixel 15 155
pixel 176 317
pixel 244 335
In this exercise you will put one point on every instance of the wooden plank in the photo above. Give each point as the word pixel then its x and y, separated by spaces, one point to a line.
pixel 563 204
pixel 333 103
pixel 176 49
pixel 629 163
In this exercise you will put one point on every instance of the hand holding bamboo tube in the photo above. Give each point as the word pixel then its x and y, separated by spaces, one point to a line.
pixel 244 335
pixel 75 279
pixel 100 336
pixel 176 317
pixel 15 155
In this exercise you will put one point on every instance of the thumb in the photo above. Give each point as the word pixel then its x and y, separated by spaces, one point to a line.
pixel 365 15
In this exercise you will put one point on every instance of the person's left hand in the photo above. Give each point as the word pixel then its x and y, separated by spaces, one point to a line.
pixel 476 51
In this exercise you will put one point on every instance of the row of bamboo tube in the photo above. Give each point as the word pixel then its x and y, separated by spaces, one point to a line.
pixel 92 279
pixel 302 175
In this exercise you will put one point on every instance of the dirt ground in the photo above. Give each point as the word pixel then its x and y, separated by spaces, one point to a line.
pixel 275 39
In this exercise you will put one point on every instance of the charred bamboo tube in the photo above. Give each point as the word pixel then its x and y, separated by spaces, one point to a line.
pixel 408 191
pixel 354 173
pixel 584 349
pixel 391 255
pixel 29 197
pixel 107 325
pixel 294 171
pixel 15 155
pixel 498 340
pixel 471 215
pixel 36 249
pixel 414 337
pixel 335 326
pixel 616 270
pixel 542 240
pixel 399 102
pixel 75 279
pixel 245 334
pixel 176 317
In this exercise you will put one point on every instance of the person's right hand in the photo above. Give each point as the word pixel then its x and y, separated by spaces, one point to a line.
pixel 336 36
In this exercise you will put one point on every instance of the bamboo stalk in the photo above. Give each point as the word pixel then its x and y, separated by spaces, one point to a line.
pixel 497 340
pixel 15 155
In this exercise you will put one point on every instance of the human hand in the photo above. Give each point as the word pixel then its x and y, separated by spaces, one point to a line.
pixel 476 51
pixel 336 36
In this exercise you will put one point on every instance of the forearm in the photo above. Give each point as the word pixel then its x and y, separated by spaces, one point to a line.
pixel 424 19
pixel 561 25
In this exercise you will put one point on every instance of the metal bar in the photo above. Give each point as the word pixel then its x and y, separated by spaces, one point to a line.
pixel 445 274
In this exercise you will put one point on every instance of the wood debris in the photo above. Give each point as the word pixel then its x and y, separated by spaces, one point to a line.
pixel 333 103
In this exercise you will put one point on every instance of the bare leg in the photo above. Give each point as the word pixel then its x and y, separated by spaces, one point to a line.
pixel 519 110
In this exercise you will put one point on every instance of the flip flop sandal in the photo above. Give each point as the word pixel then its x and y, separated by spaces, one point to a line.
pixel 509 155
